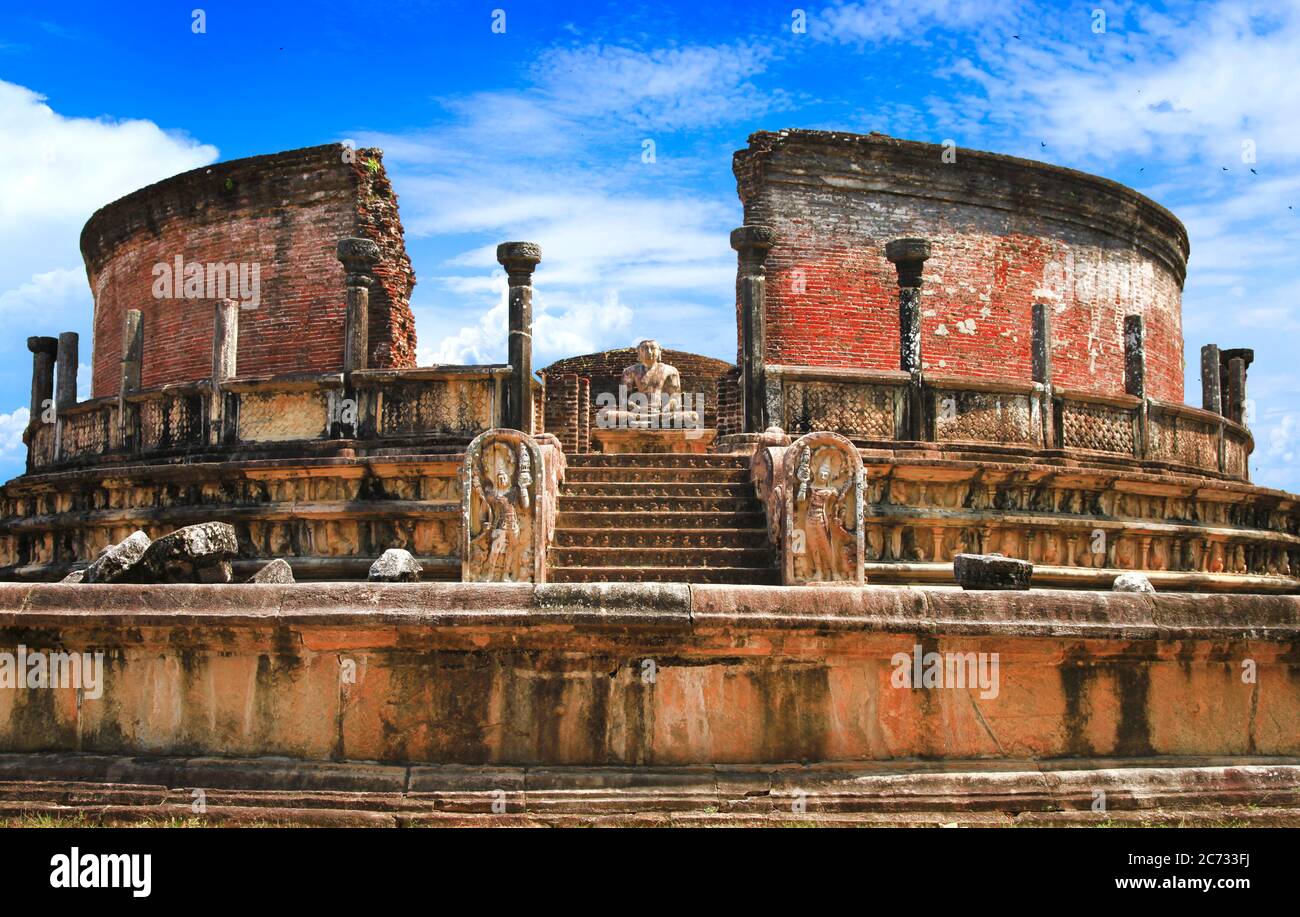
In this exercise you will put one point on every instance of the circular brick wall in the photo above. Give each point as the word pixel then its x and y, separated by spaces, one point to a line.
pixel 1005 233
pixel 283 213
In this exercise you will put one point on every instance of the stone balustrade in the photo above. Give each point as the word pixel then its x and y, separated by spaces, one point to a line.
pixel 871 408
pixel 423 406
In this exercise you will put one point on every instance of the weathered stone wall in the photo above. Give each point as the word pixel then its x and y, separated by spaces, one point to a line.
pixel 1006 233
pixel 523 675
pixel 283 212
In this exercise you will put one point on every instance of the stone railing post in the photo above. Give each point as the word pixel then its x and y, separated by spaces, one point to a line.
pixel 225 362
pixel 520 259
pixel 909 257
pixel 752 243
pixel 359 257
pixel 131 369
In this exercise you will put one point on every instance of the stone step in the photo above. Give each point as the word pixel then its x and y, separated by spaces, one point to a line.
pixel 649 503
pixel 636 520
pixel 661 538
pixel 657 460
pixel 679 558
pixel 761 576
pixel 657 489
pixel 655 475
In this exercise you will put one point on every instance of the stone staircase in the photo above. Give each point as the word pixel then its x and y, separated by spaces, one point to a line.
pixel 670 517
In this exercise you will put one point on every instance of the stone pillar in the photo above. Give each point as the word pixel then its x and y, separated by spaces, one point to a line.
pixel 520 259
pixel 1042 343
pixel 132 352
pixel 359 257
pixel 1135 365
pixel 66 363
pixel 44 351
pixel 1041 355
pixel 1235 363
pixel 752 243
pixel 225 340
pixel 225 362
pixel 909 257
pixel 132 365
pixel 1211 389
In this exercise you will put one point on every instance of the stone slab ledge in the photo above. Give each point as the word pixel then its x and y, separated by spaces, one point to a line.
pixel 370 609
pixel 1166 790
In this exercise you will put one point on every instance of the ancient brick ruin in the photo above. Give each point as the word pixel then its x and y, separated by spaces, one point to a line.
pixel 938 360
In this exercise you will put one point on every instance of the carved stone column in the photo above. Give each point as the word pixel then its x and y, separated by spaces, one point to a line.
pixel 1235 363
pixel 44 351
pixel 66 391
pixel 132 366
pixel 520 259
pixel 909 257
pixel 359 257
pixel 1135 365
pixel 752 243
pixel 66 362
pixel 225 362
pixel 1041 354
pixel 1211 390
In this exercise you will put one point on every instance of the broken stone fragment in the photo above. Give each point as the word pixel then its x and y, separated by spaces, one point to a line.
pixel 395 565
pixel 114 563
pixel 195 554
pixel 1132 582
pixel 277 571
pixel 991 571
pixel 75 576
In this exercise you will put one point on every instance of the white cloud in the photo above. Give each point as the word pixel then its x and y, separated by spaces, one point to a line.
pixel 627 244
pixel 55 171
pixel 12 426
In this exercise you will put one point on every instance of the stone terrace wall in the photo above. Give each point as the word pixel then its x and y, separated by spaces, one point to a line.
pixel 553 675
pixel 1006 233
pixel 285 212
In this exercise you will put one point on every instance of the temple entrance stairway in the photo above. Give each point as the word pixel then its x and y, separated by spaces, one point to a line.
pixel 670 517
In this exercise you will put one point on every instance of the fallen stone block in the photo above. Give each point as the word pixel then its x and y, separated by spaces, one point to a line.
pixel 277 571
pixel 195 554
pixel 114 563
pixel 991 571
pixel 395 565
pixel 75 576
pixel 1132 582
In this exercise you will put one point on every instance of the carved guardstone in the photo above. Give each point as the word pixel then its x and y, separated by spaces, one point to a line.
pixel 509 489
pixel 820 498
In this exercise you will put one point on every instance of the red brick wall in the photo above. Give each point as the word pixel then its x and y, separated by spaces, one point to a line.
pixel 1005 234
pixel 285 212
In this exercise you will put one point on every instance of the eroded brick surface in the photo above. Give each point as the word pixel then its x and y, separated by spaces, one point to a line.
pixel 1005 233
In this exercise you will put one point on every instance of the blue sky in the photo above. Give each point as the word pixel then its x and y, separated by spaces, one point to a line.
pixel 539 133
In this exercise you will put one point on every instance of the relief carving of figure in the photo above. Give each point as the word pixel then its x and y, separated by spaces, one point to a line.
pixel 824 537
pixel 822 522
pixel 501 485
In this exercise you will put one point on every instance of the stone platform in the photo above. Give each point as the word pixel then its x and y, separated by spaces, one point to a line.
pixel 608 674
